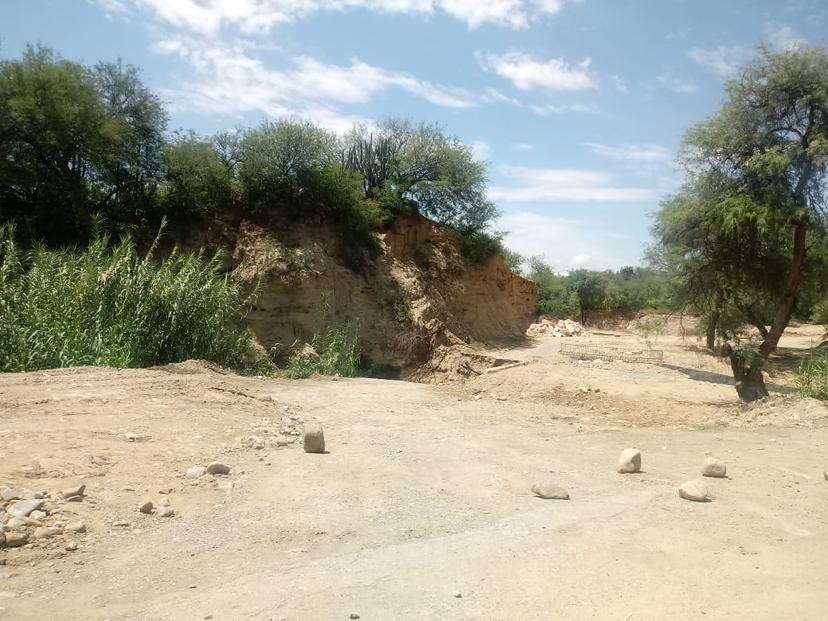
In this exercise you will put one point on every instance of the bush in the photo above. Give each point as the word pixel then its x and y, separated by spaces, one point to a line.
pixel 106 305
pixel 477 246
pixel 813 377
pixel 337 353
pixel 820 314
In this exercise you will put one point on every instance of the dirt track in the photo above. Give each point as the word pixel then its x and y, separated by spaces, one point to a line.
pixel 425 490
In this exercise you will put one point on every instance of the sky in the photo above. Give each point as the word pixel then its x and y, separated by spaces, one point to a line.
pixel 577 106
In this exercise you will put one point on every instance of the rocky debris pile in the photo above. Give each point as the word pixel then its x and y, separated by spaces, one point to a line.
pixel 35 519
pixel 273 433
pixel 557 328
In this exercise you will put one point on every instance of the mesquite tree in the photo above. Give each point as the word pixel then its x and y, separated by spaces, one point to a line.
pixel 755 200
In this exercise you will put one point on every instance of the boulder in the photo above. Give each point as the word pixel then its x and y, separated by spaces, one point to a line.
pixel 629 461
pixel 314 439
pixel 695 490
pixel 714 468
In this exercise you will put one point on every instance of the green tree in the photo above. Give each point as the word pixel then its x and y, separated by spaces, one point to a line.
pixel 757 171
pixel 197 178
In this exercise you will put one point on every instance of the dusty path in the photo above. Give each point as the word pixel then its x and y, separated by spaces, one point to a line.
pixel 422 493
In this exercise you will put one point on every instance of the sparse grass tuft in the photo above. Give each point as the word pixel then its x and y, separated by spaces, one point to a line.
pixel 336 350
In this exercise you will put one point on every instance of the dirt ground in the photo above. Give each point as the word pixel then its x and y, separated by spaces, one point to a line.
pixel 423 495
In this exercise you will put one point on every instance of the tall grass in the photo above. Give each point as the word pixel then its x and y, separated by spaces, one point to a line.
pixel 813 377
pixel 336 350
pixel 107 305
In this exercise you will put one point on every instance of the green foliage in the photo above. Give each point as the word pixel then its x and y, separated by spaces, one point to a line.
pixel 514 261
pixel 337 352
pixel 403 312
pixel 106 305
pixel 198 179
pixel 477 246
pixel 75 141
pixel 820 314
pixel 813 377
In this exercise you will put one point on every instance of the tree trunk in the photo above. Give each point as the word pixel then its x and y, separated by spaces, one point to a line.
pixel 750 385
pixel 711 330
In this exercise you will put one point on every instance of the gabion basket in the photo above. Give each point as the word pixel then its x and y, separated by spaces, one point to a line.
pixel 592 352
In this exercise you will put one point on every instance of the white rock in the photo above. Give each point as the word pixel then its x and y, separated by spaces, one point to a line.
pixel 629 461
pixel 314 439
pixel 165 512
pixel 76 527
pixel 196 472
pixel 71 492
pixel 22 508
pixel 714 468
pixel 550 491
pixel 695 490
pixel 457 593
pixel 71 546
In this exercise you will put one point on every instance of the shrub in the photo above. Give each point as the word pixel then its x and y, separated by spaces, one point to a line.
pixel 337 353
pixel 106 305
pixel 813 377
pixel 477 246
pixel 820 314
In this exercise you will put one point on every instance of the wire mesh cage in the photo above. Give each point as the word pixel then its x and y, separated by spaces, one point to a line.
pixel 593 352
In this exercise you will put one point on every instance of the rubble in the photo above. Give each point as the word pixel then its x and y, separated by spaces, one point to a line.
pixel 557 328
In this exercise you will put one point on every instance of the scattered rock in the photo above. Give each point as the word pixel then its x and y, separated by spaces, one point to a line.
pixel 714 468
pixel 130 437
pixel 314 439
pixel 20 523
pixel 15 540
pixel 31 494
pixel 695 490
pixel 146 507
pixel 550 491
pixel 22 508
pixel 7 493
pixel 825 474
pixel 75 527
pixel 2 538
pixel 253 442
pixel 218 468
pixel 71 492
pixel 46 532
pixel 121 523
pixel 353 615
pixel 196 472
pixel 71 546
pixel 37 515
pixel 98 460
pixel 629 461
pixel 165 512
pixel 457 593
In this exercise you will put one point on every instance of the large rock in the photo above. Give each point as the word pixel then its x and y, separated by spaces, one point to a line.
pixel 15 540
pixel 314 439
pixel 550 491
pixel 22 508
pixel 218 468
pixel 695 490
pixel 714 468
pixel 629 461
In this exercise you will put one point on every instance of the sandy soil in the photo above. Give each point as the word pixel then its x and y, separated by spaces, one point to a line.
pixel 424 492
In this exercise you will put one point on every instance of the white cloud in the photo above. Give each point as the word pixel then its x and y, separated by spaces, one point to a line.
pixel 482 151
pixel 261 16
pixel 555 109
pixel 528 73
pixel 678 84
pixel 620 85
pixel 228 80
pixel 634 153
pixel 561 184
pixel 723 61
pixel 784 38
pixel 566 243
pixel 522 146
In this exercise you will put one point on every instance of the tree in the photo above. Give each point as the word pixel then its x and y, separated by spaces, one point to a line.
pixel 74 141
pixel 197 178
pixel 756 192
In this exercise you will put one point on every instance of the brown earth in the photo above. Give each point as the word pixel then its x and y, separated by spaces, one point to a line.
pixel 424 492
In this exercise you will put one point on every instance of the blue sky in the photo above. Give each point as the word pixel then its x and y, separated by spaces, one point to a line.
pixel 578 106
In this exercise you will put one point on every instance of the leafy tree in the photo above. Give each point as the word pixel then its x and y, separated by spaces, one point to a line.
pixel 514 261
pixel 197 179
pixel 555 295
pixel 756 193
pixel 74 141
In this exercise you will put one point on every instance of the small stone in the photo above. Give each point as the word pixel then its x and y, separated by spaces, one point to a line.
pixel 15 540
pixel 695 490
pixel 20 523
pixel 130 437
pixel 457 593
pixel 218 468
pixel 353 615
pixel 22 508
pixel 75 527
pixel 196 472
pixel 825 474
pixel 71 546
pixel 71 492
pixel 314 439
pixel 121 523
pixel 37 515
pixel 74 499
pixel 165 512
pixel 29 494
pixel 714 468
pixel 629 461
pixel 98 460
pixel 146 507
pixel 550 491
pixel 46 532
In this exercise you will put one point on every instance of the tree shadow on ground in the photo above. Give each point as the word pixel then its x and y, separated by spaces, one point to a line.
pixel 720 378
